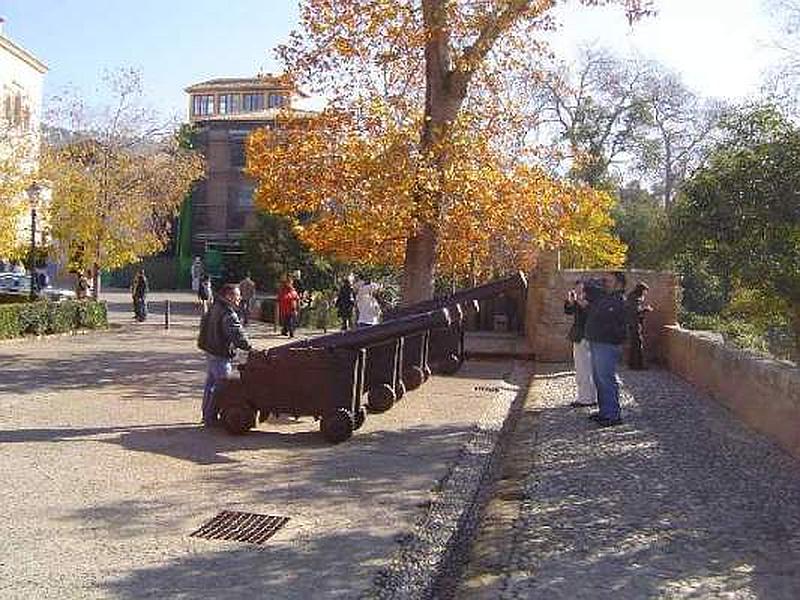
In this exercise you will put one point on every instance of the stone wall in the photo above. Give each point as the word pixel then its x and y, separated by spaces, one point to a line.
pixel 762 392
pixel 546 325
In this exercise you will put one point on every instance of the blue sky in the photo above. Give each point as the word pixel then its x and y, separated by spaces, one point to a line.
pixel 719 46
pixel 174 42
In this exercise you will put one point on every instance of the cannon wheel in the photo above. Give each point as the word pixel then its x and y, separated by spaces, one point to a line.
pixel 413 377
pixel 337 426
pixel 238 419
pixel 399 390
pixel 448 366
pixel 236 415
pixel 359 418
pixel 381 397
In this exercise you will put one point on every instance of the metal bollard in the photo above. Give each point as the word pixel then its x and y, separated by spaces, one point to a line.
pixel 166 314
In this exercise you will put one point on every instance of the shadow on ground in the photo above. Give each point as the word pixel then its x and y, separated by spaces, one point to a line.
pixel 681 501
pixel 380 469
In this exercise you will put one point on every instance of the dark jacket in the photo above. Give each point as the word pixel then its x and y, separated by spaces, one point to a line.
pixel 346 299
pixel 606 321
pixel 577 331
pixel 140 288
pixel 221 331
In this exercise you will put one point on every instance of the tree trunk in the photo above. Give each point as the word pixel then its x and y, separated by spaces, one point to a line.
pixel 96 281
pixel 796 329
pixel 444 93
pixel 420 265
pixel 669 184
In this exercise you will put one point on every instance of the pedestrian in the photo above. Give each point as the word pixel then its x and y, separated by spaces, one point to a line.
pixel 204 294
pixel 576 305
pixel 82 286
pixel 248 289
pixel 42 280
pixel 139 290
pixel 345 301
pixel 637 310
pixel 369 309
pixel 197 273
pixel 221 333
pixel 605 330
pixel 288 306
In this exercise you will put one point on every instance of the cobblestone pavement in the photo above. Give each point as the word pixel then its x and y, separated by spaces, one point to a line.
pixel 682 501
pixel 106 471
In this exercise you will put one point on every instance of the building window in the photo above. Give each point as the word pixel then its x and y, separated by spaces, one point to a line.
pixel 16 110
pixel 252 102
pixel 245 197
pixel 229 104
pixel 203 105
pixel 9 107
pixel 238 154
pixel 277 100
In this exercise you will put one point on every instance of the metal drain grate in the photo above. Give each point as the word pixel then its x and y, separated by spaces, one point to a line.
pixel 494 389
pixel 241 527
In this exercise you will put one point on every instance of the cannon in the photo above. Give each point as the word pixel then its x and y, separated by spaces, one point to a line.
pixel 396 359
pixel 445 348
pixel 326 377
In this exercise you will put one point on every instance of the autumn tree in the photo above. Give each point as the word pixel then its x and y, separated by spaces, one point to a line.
pixel 118 182
pixel 16 174
pixel 409 162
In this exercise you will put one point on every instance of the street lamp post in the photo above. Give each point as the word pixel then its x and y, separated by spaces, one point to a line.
pixel 33 196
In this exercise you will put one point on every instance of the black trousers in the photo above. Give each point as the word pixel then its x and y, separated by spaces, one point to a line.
pixel 636 351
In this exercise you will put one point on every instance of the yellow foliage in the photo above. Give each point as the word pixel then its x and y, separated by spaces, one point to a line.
pixel 424 146
pixel 15 177
pixel 113 204
pixel 358 191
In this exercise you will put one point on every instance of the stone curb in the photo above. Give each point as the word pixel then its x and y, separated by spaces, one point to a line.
pixel 430 557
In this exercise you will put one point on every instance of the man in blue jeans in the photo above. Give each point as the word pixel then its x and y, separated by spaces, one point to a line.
pixel 605 330
pixel 221 333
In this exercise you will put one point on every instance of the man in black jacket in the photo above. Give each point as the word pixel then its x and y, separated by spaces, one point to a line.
pixel 605 330
pixel 221 333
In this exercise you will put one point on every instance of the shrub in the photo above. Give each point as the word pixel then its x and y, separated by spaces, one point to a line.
pixel 321 313
pixel 44 317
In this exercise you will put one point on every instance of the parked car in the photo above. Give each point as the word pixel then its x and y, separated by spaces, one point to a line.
pixel 18 284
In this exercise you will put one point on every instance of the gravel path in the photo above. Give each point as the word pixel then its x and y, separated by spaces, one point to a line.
pixel 681 501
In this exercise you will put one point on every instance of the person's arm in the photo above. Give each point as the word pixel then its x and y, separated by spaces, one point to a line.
pixel 570 307
pixel 234 331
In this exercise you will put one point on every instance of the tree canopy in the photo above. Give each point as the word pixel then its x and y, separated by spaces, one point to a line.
pixel 742 210
pixel 417 159
pixel 117 184
pixel 19 150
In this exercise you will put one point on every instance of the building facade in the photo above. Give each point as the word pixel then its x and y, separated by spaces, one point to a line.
pixel 21 84
pixel 224 112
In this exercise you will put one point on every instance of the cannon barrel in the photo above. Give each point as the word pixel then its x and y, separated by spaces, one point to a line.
pixel 375 334
pixel 465 298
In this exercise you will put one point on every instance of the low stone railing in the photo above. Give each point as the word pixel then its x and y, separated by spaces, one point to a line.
pixel 762 392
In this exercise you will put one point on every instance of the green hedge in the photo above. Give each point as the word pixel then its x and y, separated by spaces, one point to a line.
pixel 44 317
